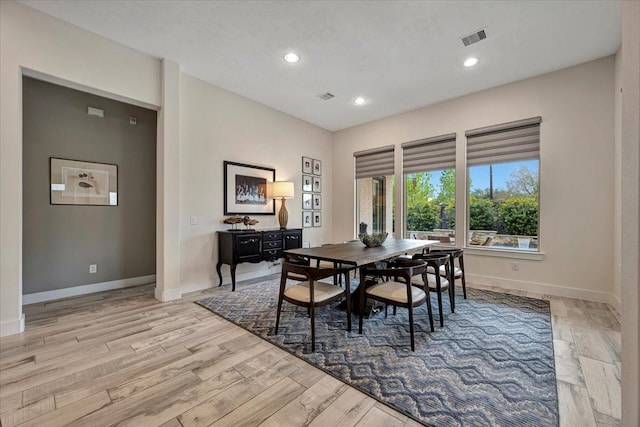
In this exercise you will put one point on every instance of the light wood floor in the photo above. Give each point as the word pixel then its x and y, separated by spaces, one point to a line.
pixel 121 357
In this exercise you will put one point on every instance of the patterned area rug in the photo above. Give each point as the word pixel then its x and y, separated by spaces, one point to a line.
pixel 490 365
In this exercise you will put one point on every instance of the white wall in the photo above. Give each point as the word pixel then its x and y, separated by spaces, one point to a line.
pixel 576 173
pixel 34 41
pixel 217 125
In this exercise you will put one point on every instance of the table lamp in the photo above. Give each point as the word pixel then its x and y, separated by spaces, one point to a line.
pixel 282 190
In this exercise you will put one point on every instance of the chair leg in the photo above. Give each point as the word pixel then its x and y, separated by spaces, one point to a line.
pixel 452 283
pixel 464 282
pixel 347 287
pixel 278 314
pixel 439 290
pixel 313 329
pixel 413 343
pixel 361 299
pixel 429 310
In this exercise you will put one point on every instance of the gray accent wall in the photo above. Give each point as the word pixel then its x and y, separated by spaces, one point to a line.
pixel 61 241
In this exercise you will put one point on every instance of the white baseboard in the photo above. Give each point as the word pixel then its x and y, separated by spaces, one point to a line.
pixel 12 327
pixel 542 288
pixel 226 280
pixel 169 295
pixel 86 289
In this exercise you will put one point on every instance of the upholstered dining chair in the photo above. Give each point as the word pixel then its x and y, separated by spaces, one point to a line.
pixel 456 268
pixel 434 281
pixel 311 293
pixel 396 289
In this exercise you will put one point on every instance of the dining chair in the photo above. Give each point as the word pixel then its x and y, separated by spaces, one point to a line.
pixel 434 281
pixel 312 293
pixel 396 289
pixel 456 271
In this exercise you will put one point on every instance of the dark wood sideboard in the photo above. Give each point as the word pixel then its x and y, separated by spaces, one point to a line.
pixel 238 246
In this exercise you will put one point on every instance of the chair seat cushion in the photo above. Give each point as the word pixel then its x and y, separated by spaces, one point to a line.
pixel 443 271
pixel 395 291
pixel 431 278
pixel 322 292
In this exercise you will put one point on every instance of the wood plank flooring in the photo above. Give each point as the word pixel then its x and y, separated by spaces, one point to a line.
pixel 123 358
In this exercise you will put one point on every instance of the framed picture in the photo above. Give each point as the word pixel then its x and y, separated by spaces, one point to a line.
pixel 307 201
pixel 245 189
pixel 307 165
pixel 317 184
pixel 317 219
pixel 307 183
pixel 317 167
pixel 317 201
pixel 307 219
pixel 77 182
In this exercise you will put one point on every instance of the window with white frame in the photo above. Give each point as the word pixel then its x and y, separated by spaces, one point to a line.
pixel 429 188
pixel 503 164
pixel 375 183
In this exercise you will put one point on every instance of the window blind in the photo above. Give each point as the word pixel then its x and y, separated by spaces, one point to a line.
pixel 374 162
pixel 425 155
pixel 507 142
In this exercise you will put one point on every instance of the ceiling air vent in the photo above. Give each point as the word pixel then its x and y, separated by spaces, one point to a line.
pixel 326 96
pixel 474 37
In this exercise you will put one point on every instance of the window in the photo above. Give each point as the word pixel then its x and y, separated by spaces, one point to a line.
pixel 503 196
pixel 374 190
pixel 430 187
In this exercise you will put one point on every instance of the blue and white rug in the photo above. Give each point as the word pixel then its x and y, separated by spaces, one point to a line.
pixel 490 365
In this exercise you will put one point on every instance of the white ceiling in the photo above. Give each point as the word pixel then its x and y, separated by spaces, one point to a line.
pixel 400 55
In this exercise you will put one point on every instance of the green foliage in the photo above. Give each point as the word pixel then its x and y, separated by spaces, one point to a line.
pixel 519 216
pixel 419 188
pixel 447 193
pixel 482 214
pixel 423 216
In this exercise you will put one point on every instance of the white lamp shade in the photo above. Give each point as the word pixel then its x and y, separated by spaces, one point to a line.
pixel 282 189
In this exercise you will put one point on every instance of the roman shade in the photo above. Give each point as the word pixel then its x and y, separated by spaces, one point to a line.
pixel 429 154
pixel 507 142
pixel 374 162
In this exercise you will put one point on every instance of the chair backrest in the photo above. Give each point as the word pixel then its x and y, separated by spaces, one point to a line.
pixel 435 260
pixel 311 273
pixel 454 252
pixel 400 268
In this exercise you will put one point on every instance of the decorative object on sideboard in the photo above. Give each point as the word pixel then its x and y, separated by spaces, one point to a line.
pixel 373 240
pixel 235 220
pixel 282 190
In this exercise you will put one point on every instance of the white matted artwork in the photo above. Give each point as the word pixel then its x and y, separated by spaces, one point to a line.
pixel 307 201
pixel 317 201
pixel 307 165
pixel 317 219
pixel 307 183
pixel 317 184
pixel 76 182
pixel 317 167
pixel 307 219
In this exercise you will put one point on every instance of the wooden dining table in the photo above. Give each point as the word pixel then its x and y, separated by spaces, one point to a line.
pixel 356 255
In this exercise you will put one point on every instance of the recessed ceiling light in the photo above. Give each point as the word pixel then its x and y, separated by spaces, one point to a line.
pixel 470 62
pixel 291 58
pixel 360 100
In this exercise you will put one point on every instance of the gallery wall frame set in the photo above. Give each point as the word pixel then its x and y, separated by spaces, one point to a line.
pixel 311 192
pixel 80 182
pixel 246 189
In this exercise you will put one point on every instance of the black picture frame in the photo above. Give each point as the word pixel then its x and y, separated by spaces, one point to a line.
pixel 317 167
pixel 247 189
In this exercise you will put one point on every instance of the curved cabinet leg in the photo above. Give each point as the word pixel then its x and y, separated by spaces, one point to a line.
pixel 219 270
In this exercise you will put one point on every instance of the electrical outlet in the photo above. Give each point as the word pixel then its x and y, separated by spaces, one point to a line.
pixel 306 244
pixel 515 266
pixel 194 220
pixel 93 268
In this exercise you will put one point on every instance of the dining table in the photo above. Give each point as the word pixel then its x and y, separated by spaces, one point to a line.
pixel 356 255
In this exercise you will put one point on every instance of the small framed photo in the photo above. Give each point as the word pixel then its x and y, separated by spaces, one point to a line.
pixel 307 219
pixel 307 183
pixel 317 167
pixel 317 184
pixel 307 165
pixel 317 219
pixel 307 201
pixel 317 201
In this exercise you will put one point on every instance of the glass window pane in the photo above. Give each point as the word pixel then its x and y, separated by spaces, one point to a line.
pixel 430 205
pixel 503 205
pixel 375 204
